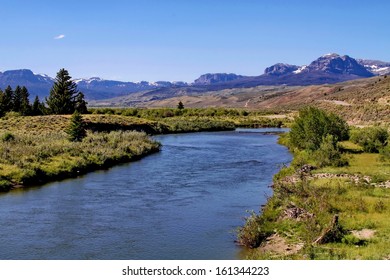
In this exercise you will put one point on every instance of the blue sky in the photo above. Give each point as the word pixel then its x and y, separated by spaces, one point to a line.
pixel 179 40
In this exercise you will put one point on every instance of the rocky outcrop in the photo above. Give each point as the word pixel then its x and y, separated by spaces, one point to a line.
pixel 280 69
pixel 336 64
pixel 215 78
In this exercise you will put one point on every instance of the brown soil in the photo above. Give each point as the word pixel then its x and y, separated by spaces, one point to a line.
pixel 363 234
pixel 277 245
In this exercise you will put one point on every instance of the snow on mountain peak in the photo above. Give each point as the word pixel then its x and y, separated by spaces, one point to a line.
pixel 300 69
pixel 330 55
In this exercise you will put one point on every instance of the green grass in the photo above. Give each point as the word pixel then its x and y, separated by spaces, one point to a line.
pixel 363 164
pixel 359 206
pixel 31 159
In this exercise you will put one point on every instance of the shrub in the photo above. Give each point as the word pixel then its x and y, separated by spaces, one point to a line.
pixel 385 153
pixel 253 232
pixel 350 239
pixel 7 137
pixel 312 125
pixel 329 154
pixel 372 139
pixel 5 185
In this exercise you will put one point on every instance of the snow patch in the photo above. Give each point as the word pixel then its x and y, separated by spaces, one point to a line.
pixel 88 81
pixel 377 69
pixel 300 69
pixel 330 55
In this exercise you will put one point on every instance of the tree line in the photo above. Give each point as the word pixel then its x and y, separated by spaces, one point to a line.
pixel 17 100
pixel 64 98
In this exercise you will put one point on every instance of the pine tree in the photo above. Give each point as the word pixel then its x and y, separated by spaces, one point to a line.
pixel 17 99
pixel 81 104
pixel 2 96
pixel 8 98
pixel 37 107
pixel 25 107
pixel 180 105
pixel 76 129
pixel 62 98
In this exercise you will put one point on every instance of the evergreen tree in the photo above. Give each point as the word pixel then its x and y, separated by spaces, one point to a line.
pixel 25 107
pixel 8 98
pixel 81 104
pixel 180 105
pixel 17 99
pixel 37 107
pixel 2 96
pixel 43 109
pixel 76 129
pixel 62 98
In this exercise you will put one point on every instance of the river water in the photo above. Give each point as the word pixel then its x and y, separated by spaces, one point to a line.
pixel 184 202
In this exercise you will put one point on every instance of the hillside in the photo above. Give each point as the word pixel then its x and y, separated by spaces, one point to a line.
pixel 359 101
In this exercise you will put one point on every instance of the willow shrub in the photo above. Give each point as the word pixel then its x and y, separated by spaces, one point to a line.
pixel 313 125
pixel 371 139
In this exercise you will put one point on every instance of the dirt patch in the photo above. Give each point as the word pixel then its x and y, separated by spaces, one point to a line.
pixel 277 245
pixel 338 102
pixel 363 234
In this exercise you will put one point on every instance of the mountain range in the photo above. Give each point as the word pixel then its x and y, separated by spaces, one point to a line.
pixel 327 69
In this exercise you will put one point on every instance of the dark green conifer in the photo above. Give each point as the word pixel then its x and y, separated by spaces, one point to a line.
pixel 25 107
pixel 76 129
pixel 8 99
pixel 180 105
pixel 2 96
pixel 62 98
pixel 17 99
pixel 81 104
pixel 37 107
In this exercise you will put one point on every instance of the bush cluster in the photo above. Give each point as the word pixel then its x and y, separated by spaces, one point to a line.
pixel 313 125
pixel 317 133
pixel 371 139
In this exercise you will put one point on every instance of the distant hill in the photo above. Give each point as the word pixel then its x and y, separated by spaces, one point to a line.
pixel 327 69
pixel 93 88
pixel 97 88
pixel 358 101
pixel 37 84
pixel 209 79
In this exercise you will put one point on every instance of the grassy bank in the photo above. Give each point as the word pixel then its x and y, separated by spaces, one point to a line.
pixel 296 222
pixel 31 159
pixel 184 119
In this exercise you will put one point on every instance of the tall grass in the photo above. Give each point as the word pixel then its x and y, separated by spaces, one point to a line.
pixel 28 159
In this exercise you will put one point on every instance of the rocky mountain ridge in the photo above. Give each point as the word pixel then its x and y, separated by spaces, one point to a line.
pixel 327 69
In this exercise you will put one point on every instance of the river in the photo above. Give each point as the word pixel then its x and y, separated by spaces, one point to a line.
pixel 184 202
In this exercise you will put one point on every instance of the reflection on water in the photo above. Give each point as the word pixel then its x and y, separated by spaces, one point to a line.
pixel 182 203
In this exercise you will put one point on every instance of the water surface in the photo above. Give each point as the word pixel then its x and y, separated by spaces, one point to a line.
pixel 182 203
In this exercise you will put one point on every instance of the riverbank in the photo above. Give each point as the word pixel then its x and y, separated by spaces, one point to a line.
pixel 35 150
pixel 29 159
pixel 325 213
